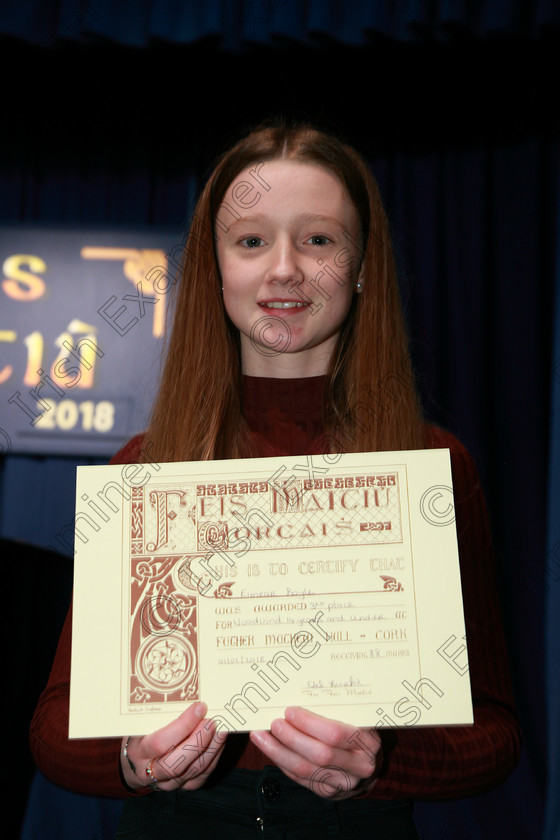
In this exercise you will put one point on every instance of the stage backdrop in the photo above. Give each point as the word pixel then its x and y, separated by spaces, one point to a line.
pixel 82 321
pixel 454 105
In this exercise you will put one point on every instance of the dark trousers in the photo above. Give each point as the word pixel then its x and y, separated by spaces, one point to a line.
pixel 261 804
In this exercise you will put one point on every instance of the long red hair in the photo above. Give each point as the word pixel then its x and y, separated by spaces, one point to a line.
pixel 371 401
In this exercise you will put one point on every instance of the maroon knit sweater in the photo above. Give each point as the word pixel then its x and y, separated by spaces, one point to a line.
pixel 419 763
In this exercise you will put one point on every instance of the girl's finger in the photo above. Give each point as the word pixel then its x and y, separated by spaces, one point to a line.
pixel 191 755
pixel 160 742
pixel 193 782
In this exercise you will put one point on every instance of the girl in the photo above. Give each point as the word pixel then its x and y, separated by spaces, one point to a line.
pixel 288 338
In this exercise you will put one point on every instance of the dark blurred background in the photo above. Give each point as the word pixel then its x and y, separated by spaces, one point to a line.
pixel 112 113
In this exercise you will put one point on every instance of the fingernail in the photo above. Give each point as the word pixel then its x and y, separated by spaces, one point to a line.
pixel 200 709
pixel 290 713
pixel 277 726
pixel 257 736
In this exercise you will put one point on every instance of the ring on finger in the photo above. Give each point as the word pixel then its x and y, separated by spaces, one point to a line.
pixel 153 783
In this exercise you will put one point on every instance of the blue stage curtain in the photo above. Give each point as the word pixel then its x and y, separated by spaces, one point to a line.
pixel 552 584
pixel 239 23
pixel 57 813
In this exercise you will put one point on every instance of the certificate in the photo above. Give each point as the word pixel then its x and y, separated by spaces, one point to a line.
pixel 330 582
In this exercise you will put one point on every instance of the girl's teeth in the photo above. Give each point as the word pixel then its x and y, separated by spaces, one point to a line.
pixel 280 304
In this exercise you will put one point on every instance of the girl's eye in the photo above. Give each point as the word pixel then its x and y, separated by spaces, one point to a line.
pixel 252 241
pixel 319 240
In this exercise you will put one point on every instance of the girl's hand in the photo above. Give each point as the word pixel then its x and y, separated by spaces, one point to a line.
pixel 332 759
pixel 180 755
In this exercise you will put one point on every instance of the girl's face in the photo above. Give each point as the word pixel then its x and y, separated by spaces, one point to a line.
pixel 287 245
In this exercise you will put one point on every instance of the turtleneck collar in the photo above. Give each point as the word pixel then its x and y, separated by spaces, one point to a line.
pixel 286 413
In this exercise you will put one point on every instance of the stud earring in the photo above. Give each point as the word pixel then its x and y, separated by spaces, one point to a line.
pixel 359 288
